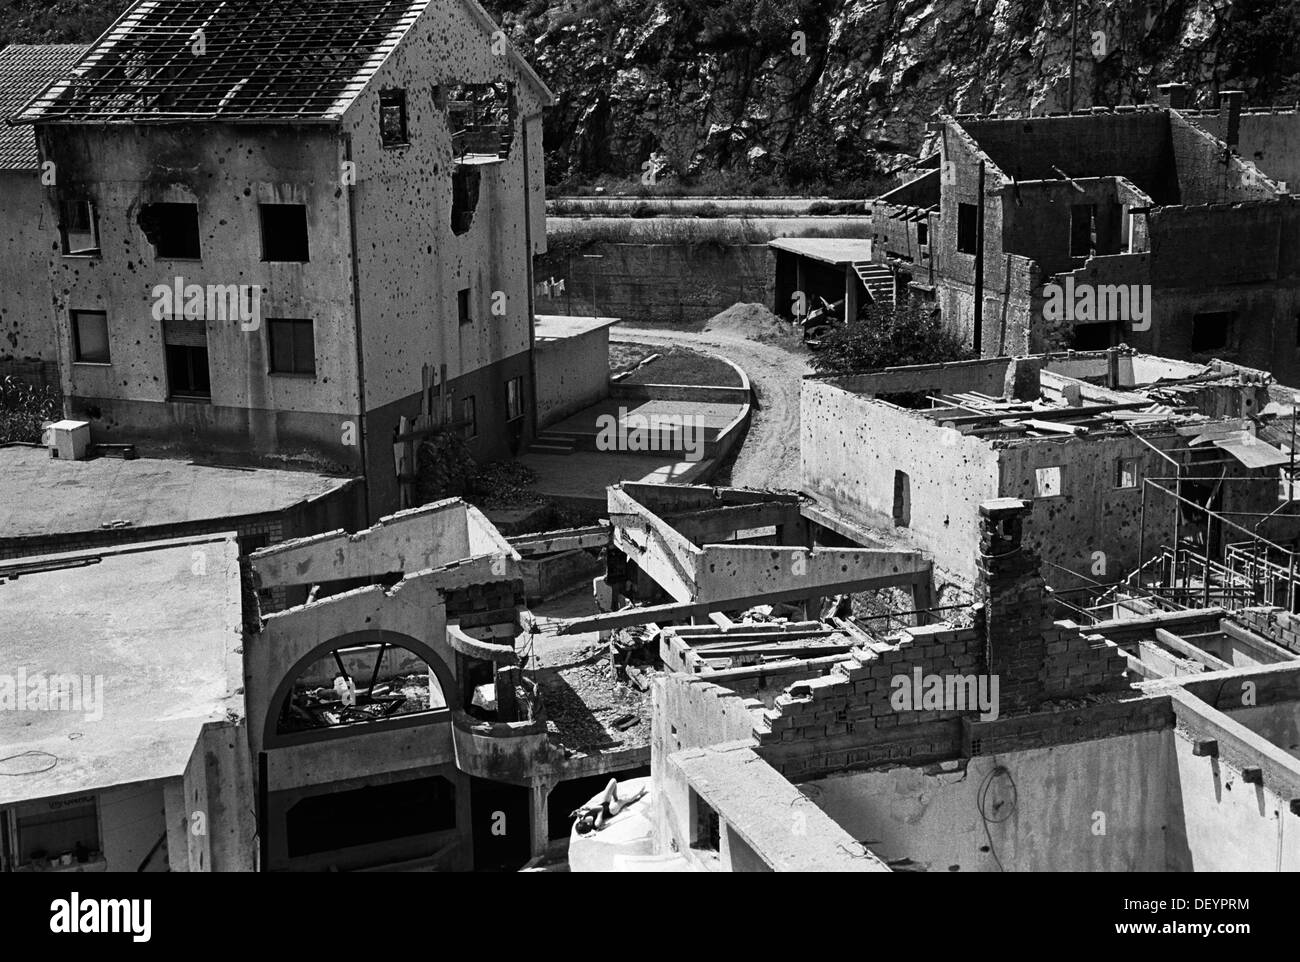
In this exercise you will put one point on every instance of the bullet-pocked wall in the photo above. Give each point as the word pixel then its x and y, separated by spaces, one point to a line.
pixel 432 293
pixel 27 321
pixel 130 391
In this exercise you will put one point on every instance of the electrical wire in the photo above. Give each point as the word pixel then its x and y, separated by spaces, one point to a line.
pixel 54 761
pixel 981 803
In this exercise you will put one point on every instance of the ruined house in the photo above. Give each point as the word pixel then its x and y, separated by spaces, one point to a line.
pixel 1134 225
pixel 273 231
pixel 1125 458
pixel 1137 752
pixel 28 336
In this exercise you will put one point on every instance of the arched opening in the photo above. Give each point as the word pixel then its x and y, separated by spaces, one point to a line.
pixel 359 680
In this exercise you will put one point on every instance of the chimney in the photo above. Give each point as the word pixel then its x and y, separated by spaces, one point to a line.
pixel 1011 590
pixel 1230 101
pixel 1174 95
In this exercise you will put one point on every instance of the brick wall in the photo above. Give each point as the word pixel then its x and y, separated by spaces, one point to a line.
pixel 854 716
pixel 1276 624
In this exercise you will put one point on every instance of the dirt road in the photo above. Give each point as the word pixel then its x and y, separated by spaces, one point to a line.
pixel 769 457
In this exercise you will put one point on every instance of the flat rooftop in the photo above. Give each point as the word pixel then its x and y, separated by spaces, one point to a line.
pixel 832 250
pixel 1075 394
pixel 47 496
pixel 556 327
pixel 158 625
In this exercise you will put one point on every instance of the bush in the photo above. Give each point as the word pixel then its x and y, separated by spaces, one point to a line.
pixel 887 336
pixel 23 408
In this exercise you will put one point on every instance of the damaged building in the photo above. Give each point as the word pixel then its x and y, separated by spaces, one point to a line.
pixel 1098 754
pixel 1134 225
pixel 289 233
pixel 1128 460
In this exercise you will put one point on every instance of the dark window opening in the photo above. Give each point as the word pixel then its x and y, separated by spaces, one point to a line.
pixel 293 346
pixel 902 499
pixel 69 830
pixel 1096 337
pixel 79 227
pixel 187 371
pixel 922 235
pixel 284 232
pixel 1083 230
pixel 172 229
pixel 392 118
pixel 464 198
pixel 462 307
pixel 707 831
pixel 370 815
pixel 967 228
pixel 1212 331
pixel 469 415
pixel 90 337
pixel 514 398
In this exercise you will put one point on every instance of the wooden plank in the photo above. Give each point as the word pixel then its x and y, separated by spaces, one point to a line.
pixel 687 609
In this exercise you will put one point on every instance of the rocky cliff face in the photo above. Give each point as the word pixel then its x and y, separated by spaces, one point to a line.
pixel 817 93
pixel 835 90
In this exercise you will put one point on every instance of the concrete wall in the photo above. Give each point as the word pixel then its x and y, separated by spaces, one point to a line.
pixel 1065 530
pixel 29 327
pixel 851 448
pixel 1042 815
pixel 227 172
pixel 572 373
pixel 403 201
pixel 1218 823
pixel 1268 137
pixel 677 282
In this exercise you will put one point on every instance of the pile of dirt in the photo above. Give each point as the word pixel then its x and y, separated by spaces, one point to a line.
pixel 756 323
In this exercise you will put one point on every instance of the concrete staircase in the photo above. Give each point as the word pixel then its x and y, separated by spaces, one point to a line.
pixel 550 442
pixel 878 279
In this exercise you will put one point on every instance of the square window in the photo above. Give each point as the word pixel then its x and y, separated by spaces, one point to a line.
pixel 1212 331
pixel 1126 473
pixel 514 398
pixel 173 229
pixel 462 307
pixel 469 415
pixel 79 227
pixel 293 346
pixel 392 118
pixel 284 232
pixel 967 228
pixel 188 376
pixel 90 337
pixel 1048 482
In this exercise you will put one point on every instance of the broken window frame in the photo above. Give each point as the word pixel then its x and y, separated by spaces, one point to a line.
pixel 79 353
pixel 514 399
pixel 272 247
pixel 298 346
pixel 1135 474
pixel 183 251
pixel 190 391
pixel 394 99
pixel 68 227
